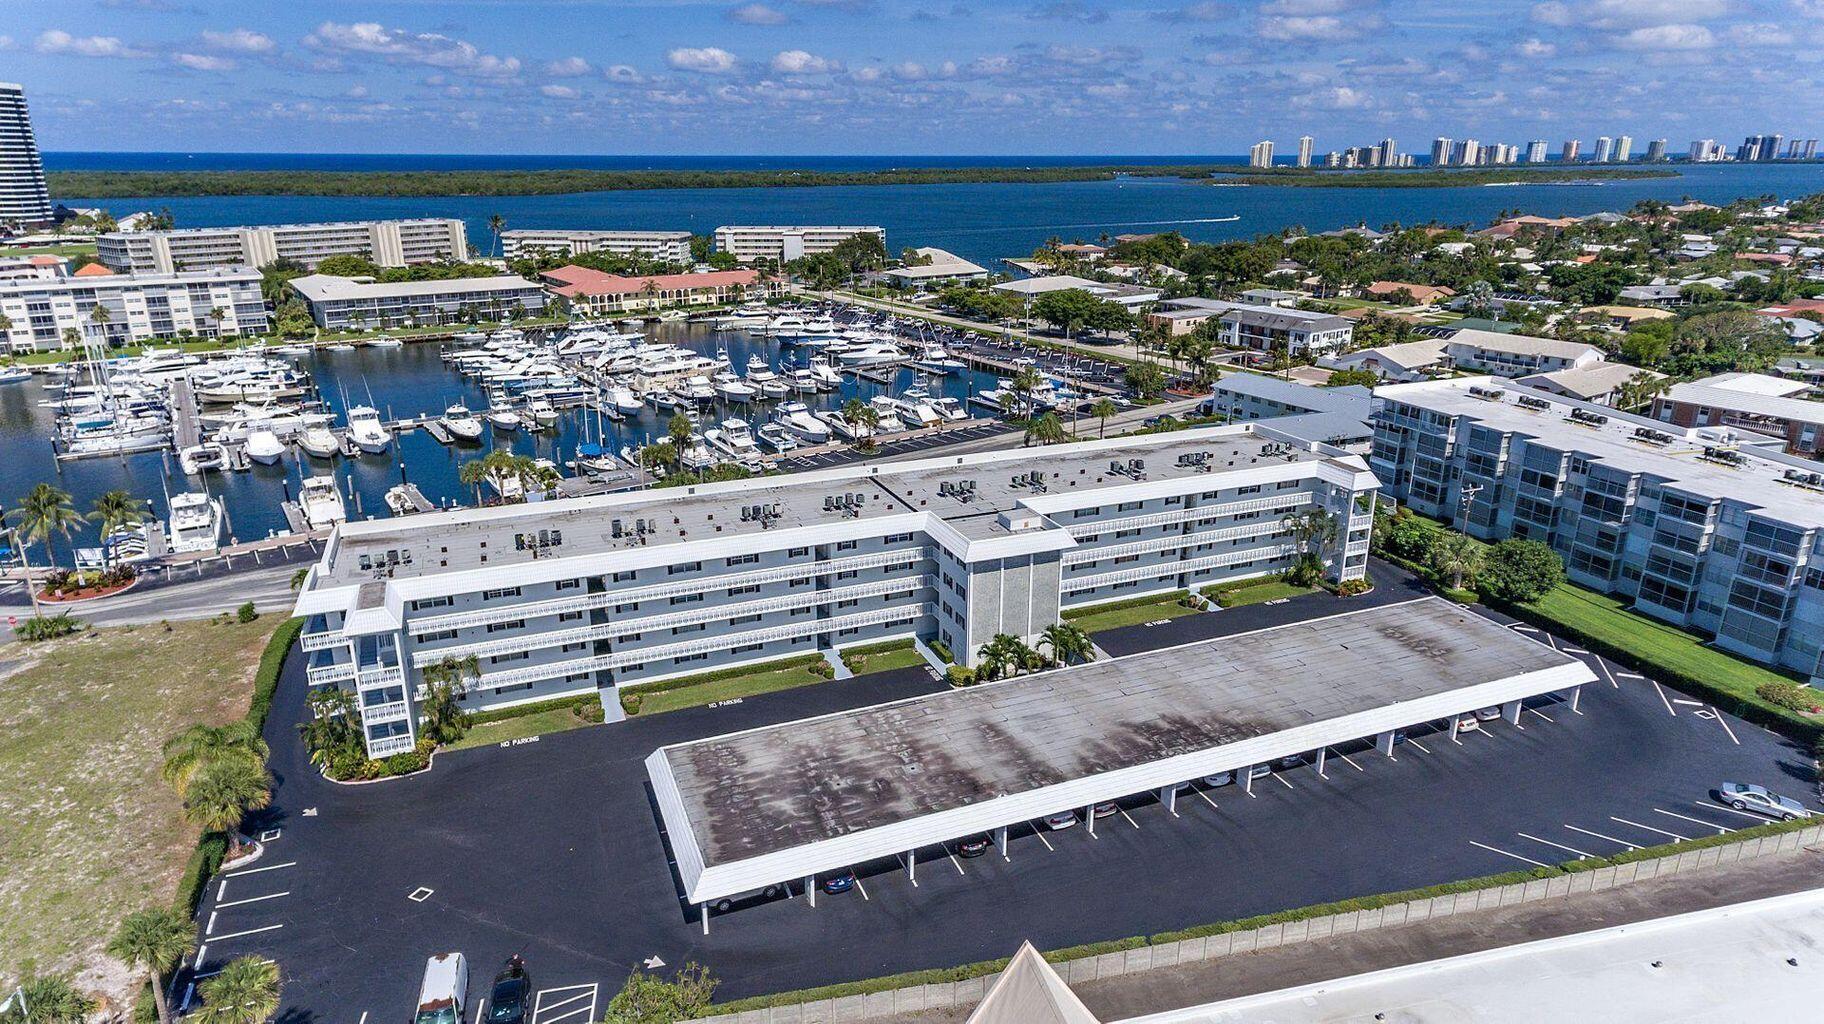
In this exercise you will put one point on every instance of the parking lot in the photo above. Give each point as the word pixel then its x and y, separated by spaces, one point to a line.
pixel 552 848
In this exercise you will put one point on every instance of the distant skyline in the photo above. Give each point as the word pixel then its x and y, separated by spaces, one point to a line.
pixel 891 77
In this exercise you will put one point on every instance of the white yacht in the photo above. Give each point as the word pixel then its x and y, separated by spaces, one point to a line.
pixel 503 417
pixel 542 411
pixel 797 419
pixel 840 426
pixel 888 409
pixel 776 437
pixel 399 501
pixel 14 374
pixel 697 388
pixel 873 353
pixel 734 439
pixel 365 430
pixel 949 408
pixel 733 388
pixel 934 359
pixel 915 410
pixel 624 399
pixel 317 439
pixel 786 326
pixel 264 447
pixel 201 458
pixel 195 523
pixel 321 502
pixel 828 378
pixel 695 455
pixel 750 315
pixel 462 424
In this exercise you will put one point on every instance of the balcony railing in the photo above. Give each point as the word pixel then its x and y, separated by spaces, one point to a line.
pixel 382 676
pixel 334 672
pixel 1200 512
pixel 1162 569
pixel 693 585
pixel 322 640
pixel 384 712
pixel 1176 540
pixel 389 746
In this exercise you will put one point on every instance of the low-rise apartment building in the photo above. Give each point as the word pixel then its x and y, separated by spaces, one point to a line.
pixel 784 243
pixel 664 246
pixel 340 303
pixel 601 293
pixel 1691 524
pixel 139 307
pixel 592 595
pixel 1262 328
pixel 1753 402
pixel 1516 355
pixel 388 243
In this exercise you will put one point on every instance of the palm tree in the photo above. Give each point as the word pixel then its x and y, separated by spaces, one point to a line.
pixel 1102 410
pixel 1313 530
pixel 496 224
pixel 245 992
pixel 50 999
pixel 331 730
pixel 116 510
pixel 1456 555
pixel 1067 643
pixel 1046 429
pixel 192 751
pixel 1024 383
pixel 858 413
pixel 443 718
pixel 653 456
pixel 46 510
pixel 155 940
pixel 221 793
pixel 678 429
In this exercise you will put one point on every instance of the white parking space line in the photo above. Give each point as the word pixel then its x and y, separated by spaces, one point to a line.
pixel 580 1006
pixel 1415 743
pixel 1599 835
pixel 203 951
pixel 1725 724
pixel 1685 817
pixel 1521 627
pixel 210 927
pixel 250 931
pixel 269 867
pixel 250 899
pixel 221 890
pixel 480 1006
pixel 1346 759
pixel 1675 836
pixel 1515 856
pixel 1575 650
pixel 1206 798
pixel 862 889
pixel 1663 700
pixel 1604 665
pixel 1130 820
pixel 1630 675
pixel 902 863
pixel 1041 834
pixel 1281 779
pixel 1541 714
pixel 957 864
pixel 1548 842
pixel 1731 810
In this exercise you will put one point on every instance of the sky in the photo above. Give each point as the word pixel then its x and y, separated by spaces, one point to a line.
pixel 903 76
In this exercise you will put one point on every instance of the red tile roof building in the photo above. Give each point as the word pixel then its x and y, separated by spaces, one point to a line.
pixel 600 292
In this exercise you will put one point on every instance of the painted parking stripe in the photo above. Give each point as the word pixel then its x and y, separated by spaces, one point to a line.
pixel 1675 836
pixel 1548 842
pixel 269 867
pixel 862 889
pixel 1630 675
pixel 1206 798
pixel 1044 840
pixel 1575 650
pixel 1725 724
pixel 1130 820
pixel 581 1005
pixel 1731 810
pixel 250 899
pixel 1415 743
pixel 250 931
pixel 1686 817
pixel 1599 835
pixel 1515 856
pixel 1662 699
pixel 1282 781
pixel 1346 758
pixel 957 864
pixel 1522 627
pixel 1604 665
pixel 1541 714
pixel 210 927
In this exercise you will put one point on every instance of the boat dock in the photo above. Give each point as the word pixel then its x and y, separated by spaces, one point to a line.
pixel 186 426
pixel 416 498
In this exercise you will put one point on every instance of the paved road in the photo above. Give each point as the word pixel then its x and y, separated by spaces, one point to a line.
pixel 552 847
pixel 1124 349
pixel 221 590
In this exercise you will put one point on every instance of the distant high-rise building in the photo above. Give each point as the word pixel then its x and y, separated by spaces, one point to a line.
pixel 1261 154
pixel 1624 147
pixel 1468 153
pixel 1390 153
pixel 1535 151
pixel 1569 153
pixel 1704 151
pixel 1440 151
pixel 1810 152
pixel 1605 150
pixel 1656 151
pixel 1304 150
pixel 1333 159
pixel 24 199
pixel 1770 149
pixel 1759 147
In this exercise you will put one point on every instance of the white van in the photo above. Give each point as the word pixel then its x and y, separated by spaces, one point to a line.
pixel 443 998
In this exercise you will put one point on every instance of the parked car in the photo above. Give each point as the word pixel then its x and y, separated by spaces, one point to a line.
pixel 1106 808
pixel 974 846
pixel 1749 797
pixel 1488 714
pixel 727 903
pixel 1468 723
pixel 1226 778
pixel 1289 761
pixel 512 989
pixel 443 995
pixel 840 882
pixel 1061 820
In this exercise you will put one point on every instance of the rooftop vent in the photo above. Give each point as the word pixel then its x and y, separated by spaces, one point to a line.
pixel 1529 402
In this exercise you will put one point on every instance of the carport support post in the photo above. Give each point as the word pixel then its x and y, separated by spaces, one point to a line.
pixel 1171 799
pixel 810 888
pixel 1003 839
pixel 1511 712
pixel 1576 695
pixel 703 908
pixel 1089 818
pixel 1321 751
pixel 912 865
pixel 1247 779
pixel 1454 719
pixel 1384 743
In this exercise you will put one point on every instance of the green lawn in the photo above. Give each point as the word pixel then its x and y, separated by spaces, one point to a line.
pixel 68 250
pixel 1094 621
pixel 862 661
pixel 536 724
pixel 1606 620
pixel 88 830
pixel 1255 593
pixel 690 695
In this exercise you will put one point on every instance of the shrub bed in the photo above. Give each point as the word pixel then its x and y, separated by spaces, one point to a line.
pixel 581 702
pixel 48 628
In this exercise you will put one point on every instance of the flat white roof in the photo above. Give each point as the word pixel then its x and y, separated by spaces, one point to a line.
pixel 1522 344
pixel 759 807
pixel 1747 962
pixel 324 288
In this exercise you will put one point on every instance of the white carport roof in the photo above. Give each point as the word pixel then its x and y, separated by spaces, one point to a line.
pixel 755 808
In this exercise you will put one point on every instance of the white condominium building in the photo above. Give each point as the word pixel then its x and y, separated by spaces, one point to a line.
pixel 668 246
pixel 338 303
pixel 24 199
pixel 786 243
pixel 592 595
pixel 389 243
pixel 140 307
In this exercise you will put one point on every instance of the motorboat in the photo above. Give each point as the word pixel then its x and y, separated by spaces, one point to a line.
pixel 385 343
pixel 321 502
pixel 802 381
pixel 874 353
pixel 14 374
pixel 201 458
pixel 462 424
pixel 292 350
pixel 662 399
pixel 797 419
pixel 317 438
pixel 624 399
pixel 734 439
pixel 542 412
pixel 750 315
pixel 195 522
pixel 787 326
pixel 826 376
pixel 365 430
pixel 503 417
pixel 933 359
pixel 733 388
pixel 697 388
pixel 595 458
pixel 695 455
pixel 949 408
pixel 264 447
pixel 842 427
pixel 888 411
pixel 913 410
pixel 399 500
pixel 776 437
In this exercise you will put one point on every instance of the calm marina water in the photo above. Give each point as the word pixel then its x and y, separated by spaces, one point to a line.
pixel 404 382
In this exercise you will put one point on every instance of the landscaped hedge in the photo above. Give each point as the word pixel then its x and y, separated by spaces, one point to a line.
pixel 1132 602
pixel 884 647
pixel 204 860
pixel 722 673
pixel 536 707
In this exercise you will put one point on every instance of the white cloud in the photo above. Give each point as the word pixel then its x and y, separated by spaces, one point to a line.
pixel 1339 97
pixel 560 92
pixel 1319 27
pixel 239 40
pixel 1648 13
pixel 568 67
pixel 61 42
pixel 1760 34
pixel 1208 10
pixel 757 14
pixel 203 62
pixel 911 70
pixel 1667 37
pixel 1553 13
pixel 990 65
pixel 799 62
pixel 1537 48
pixel 1305 8
pixel 709 60
pixel 626 74
pixel 398 45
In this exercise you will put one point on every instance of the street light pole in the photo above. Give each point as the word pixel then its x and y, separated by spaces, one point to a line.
pixel 26 564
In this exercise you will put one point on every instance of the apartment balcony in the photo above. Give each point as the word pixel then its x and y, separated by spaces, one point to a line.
pixel 1359 547
pixel 1200 512
pixel 317 635
pixel 329 672
pixel 383 675
pixel 387 747
pixel 384 712
pixel 1163 569
pixel 1172 542
pixel 695 584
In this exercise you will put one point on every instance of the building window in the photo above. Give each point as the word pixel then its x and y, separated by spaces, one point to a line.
pixel 624 577
pixel 569 616
pixel 430 602
pixel 673 570
pixel 845 545
pixel 797 552
pixel 494 595
pixel 685 659
pixel 569 584
pixel 747 559
pixel 500 627
pixel 442 634
pixel 751 588
pixel 519 656
pixel 686 598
